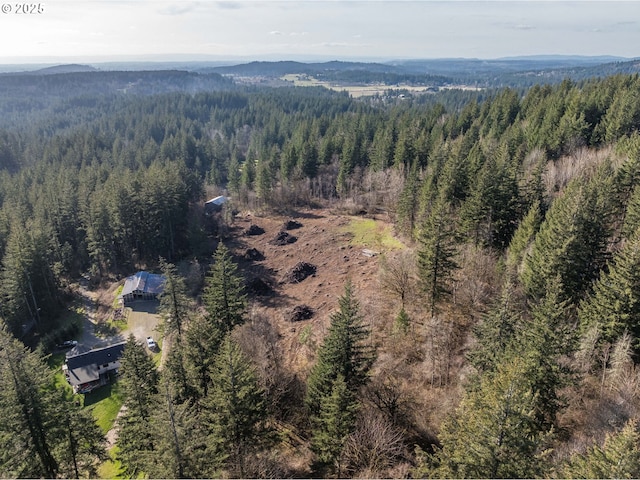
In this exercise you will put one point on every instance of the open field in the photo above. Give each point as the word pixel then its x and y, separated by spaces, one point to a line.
pixel 356 91
pixel 353 90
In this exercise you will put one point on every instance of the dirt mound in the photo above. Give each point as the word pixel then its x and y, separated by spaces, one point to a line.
pixel 291 225
pixel 253 254
pixel 283 238
pixel 254 230
pixel 299 313
pixel 301 271
pixel 257 286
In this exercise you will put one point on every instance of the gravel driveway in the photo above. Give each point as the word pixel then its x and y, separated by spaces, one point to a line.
pixel 143 320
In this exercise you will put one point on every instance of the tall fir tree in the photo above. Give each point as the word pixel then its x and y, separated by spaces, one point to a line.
pixel 619 457
pixel 493 433
pixel 224 294
pixel 139 384
pixel 523 236
pixel 496 331
pixel 571 242
pixel 235 410
pixel 436 255
pixel 344 352
pixel 32 424
pixel 615 302
pixel 336 420
pixel 175 306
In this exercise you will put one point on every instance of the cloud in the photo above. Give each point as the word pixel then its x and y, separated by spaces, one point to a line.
pixel 177 9
pixel 230 5
pixel 341 45
pixel 275 32
pixel 524 27
pixel 297 34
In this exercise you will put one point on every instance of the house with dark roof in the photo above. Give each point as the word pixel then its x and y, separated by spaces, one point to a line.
pixel 142 286
pixel 89 370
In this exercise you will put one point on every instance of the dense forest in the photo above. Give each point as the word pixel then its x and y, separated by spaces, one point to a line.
pixel 509 340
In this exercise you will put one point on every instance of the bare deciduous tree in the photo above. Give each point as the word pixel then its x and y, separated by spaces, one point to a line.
pixel 375 446
pixel 397 275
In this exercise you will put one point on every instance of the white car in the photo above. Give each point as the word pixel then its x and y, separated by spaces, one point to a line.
pixel 67 344
pixel 151 343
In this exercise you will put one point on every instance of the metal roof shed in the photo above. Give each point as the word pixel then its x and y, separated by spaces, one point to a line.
pixel 142 286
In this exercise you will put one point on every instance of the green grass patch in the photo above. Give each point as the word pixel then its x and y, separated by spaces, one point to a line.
pixel 111 468
pixel 116 302
pixel 104 403
pixel 368 233
pixel 55 363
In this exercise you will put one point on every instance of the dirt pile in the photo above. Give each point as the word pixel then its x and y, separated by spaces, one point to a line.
pixel 283 238
pixel 254 230
pixel 253 254
pixel 291 225
pixel 298 273
pixel 299 313
pixel 258 287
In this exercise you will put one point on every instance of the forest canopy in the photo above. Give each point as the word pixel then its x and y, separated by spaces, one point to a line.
pixel 514 310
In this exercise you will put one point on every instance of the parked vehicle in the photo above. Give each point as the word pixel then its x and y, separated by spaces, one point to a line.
pixel 67 344
pixel 151 343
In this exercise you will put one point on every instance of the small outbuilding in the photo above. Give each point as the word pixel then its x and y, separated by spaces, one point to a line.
pixel 142 286
pixel 215 204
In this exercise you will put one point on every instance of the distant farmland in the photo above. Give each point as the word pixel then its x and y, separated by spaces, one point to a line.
pixel 303 80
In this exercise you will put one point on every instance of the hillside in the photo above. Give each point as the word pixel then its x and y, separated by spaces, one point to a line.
pixel 325 241
pixel 499 299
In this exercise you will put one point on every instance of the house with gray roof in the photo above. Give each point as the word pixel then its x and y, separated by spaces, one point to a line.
pixel 142 286
pixel 91 369
pixel 215 204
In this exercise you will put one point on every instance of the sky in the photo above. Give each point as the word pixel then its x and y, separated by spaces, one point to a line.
pixel 113 30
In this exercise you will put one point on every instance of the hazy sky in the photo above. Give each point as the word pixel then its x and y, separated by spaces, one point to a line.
pixel 383 29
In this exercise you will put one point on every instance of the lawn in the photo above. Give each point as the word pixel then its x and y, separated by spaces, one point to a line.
pixel 368 233
pixel 104 403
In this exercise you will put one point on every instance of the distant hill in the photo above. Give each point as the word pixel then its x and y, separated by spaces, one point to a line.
pixel 510 71
pixel 287 67
pixel 71 68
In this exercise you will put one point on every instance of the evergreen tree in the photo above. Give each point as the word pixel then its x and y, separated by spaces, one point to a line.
pixel 436 255
pixel 234 410
pixel 173 428
pixel 224 296
pixel 632 215
pixel 343 353
pixel 548 338
pixel 336 420
pixel 619 457
pixel 202 340
pixel 408 201
pixel 571 242
pixel 31 421
pixel 494 432
pixel 496 331
pixel 234 174
pixel 81 445
pixel 139 383
pixel 523 236
pixel 615 302
pixel 175 306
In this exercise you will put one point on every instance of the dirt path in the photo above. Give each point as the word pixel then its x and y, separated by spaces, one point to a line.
pixel 112 435
pixel 89 337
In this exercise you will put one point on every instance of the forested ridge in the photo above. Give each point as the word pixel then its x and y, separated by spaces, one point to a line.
pixel 507 345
